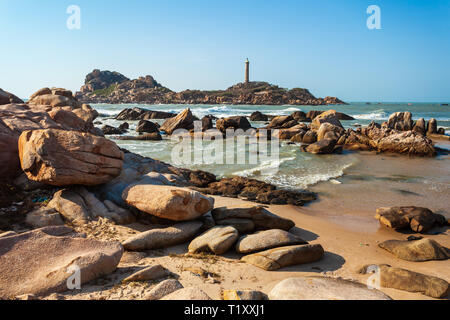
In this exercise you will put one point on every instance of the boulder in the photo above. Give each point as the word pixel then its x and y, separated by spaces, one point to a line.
pixel 258 116
pixel 184 120
pixel 265 240
pixel 7 98
pixel 187 294
pixel 324 146
pixel 142 114
pixel 328 128
pixel 419 250
pixel 207 123
pixel 154 136
pixel 168 202
pixel 147 127
pixel 278 258
pixel 44 217
pixel 400 121
pixel 235 123
pixel 217 240
pixel 402 279
pixel 243 226
pixel 280 122
pixel 432 126
pixel 163 238
pixel 420 126
pixel 262 218
pixel 300 116
pixel 298 138
pixel 40 262
pixel 147 274
pixel 409 142
pixel 163 289
pixel 318 288
pixel 309 137
pixel 108 130
pixel 250 295
pixel 61 158
pixel 329 116
pixel 416 218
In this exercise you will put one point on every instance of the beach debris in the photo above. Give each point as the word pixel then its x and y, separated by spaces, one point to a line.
pixel 417 218
pixel 265 240
pixel 277 258
pixel 41 261
pixel 163 289
pixel 322 288
pixel 402 279
pixel 419 250
pixel 163 237
pixel 217 240
pixel 168 202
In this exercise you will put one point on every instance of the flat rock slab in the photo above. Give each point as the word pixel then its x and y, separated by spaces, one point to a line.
pixel 416 218
pixel 37 262
pixel 149 273
pixel 163 289
pixel 406 280
pixel 277 258
pixel 265 240
pixel 168 202
pixel 217 240
pixel 163 238
pixel 418 250
pixel 187 294
pixel 317 288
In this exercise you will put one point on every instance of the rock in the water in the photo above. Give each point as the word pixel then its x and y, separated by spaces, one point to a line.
pixel 163 289
pixel 235 123
pixel 277 258
pixel 44 217
pixel 317 288
pixel 330 130
pixel 163 238
pixel 168 202
pixel 258 116
pixel 265 240
pixel 61 158
pixel 41 261
pixel 400 121
pixel 416 218
pixel 325 146
pixel 262 219
pixel 432 126
pixel 147 274
pixel 185 120
pixel 147 127
pixel 143 114
pixel 409 142
pixel 281 122
pixel 406 280
pixel 187 294
pixel 419 250
pixel 108 130
pixel 329 116
pixel 420 126
pixel 217 240
pixel 251 295
pixel 310 137
pixel 154 136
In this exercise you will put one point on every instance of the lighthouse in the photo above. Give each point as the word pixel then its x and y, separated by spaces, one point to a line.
pixel 247 71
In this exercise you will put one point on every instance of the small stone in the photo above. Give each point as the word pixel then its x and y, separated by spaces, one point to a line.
pixel 147 274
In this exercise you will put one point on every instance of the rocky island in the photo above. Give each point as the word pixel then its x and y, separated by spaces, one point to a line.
pixel 115 88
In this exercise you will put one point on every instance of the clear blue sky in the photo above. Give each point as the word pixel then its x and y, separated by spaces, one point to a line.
pixel 321 45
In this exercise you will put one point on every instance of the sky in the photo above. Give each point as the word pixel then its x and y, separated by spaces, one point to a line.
pixel 321 45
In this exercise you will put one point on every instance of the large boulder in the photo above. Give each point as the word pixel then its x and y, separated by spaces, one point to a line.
pixel 401 121
pixel 258 116
pixel 432 127
pixel 416 218
pixel 281 122
pixel 168 202
pixel 265 240
pixel 41 261
pixel 318 288
pixel 163 238
pixel 402 279
pixel 328 130
pixel 147 127
pixel 324 146
pixel 419 250
pixel 329 116
pixel 409 142
pixel 184 120
pixel 217 240
pixel 7 98
pixel 420 126
pixel 235 123
pixel 143 114
pixel 278 258
pixel 62 158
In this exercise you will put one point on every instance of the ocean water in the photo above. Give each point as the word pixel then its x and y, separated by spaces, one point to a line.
pixel 293 169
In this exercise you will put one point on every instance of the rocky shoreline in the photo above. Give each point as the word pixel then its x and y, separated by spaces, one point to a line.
pixel 115 88
pixel 73 200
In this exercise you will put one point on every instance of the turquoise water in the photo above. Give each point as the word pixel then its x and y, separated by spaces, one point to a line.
pixel 293 169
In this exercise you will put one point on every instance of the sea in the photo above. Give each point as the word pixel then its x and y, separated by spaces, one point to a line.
pixel 292 169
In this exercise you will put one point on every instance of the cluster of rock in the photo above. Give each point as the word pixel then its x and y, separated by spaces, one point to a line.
pixel 112 87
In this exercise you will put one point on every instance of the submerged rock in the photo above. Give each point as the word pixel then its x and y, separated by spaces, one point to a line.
pixel 317 288
pixel 418 250
pixel 41 261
